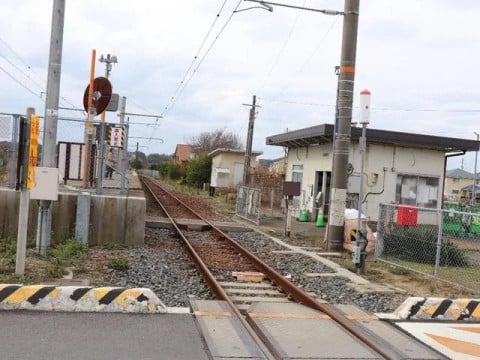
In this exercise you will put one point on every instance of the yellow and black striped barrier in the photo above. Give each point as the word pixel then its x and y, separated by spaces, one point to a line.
pixel 430 308
pixel 81 299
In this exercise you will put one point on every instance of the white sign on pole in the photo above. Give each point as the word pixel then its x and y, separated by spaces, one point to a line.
pixel 116 134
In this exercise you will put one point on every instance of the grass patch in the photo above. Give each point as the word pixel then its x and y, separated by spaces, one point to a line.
pixel 466 276
pixel 397 270
pixel 71 250
pixel 119 263
pixel 55 269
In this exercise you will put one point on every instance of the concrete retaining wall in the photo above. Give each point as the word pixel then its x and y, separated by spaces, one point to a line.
pixel 113 219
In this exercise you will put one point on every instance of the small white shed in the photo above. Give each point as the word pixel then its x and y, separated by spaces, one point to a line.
pixel 227 166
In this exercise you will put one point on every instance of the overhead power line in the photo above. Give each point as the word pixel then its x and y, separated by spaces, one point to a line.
pixel 184 83
pixel 202 44
pixel 21 84
pixel 304 103
pixel 282 49
pixel 21 59
pixel 313 53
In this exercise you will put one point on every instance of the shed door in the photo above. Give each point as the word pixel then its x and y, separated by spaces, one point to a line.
pixel 238 173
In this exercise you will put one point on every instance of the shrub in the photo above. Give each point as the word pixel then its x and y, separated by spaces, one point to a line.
pixel 198 171
pixel 419 244
pixel 72 249
pixel 55 268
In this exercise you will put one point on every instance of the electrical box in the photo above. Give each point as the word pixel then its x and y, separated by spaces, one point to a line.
pixel 46 184
pixel 353 184
pixel 356 254
pixel 407 216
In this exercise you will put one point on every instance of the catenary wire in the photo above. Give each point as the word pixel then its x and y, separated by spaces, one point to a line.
pixel 282 49
pixel 40 86
pixel 303 103
pixel 302 67
pixel 21 84
pixel 172 103
pixel 202 44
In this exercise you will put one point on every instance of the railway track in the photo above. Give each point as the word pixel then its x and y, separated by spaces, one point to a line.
pixel 217 256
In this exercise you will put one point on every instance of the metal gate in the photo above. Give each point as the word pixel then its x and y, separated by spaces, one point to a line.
pixel 248 204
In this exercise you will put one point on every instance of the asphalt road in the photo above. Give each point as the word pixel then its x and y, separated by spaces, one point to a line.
pixel 80 336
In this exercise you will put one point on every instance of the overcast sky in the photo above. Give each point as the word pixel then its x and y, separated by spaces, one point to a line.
pixel 418 58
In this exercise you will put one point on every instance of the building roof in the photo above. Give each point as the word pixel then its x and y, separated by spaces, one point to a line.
pixel 236 151
pixel 182 152
pixel 470 188
pixel 323 134
pixel 459 174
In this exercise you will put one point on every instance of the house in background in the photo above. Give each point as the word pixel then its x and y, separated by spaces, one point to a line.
pixel 227 166
pixel 455 181
pixel 400 168
pixel 279 165
pixel 183 153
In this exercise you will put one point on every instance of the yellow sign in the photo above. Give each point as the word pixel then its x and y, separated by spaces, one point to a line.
pixel 33 150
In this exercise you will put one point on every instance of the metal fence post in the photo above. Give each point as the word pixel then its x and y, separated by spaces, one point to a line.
pixel 439 242
pixel 12 152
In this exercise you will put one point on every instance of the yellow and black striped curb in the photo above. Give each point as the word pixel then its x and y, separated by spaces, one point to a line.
pixel 79 299
pixel 421 308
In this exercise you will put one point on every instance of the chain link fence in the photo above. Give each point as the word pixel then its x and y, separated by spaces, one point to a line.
pixel 8 150
pixel 248 204
pixel 442 243
pixel 257 204
pixel 71 155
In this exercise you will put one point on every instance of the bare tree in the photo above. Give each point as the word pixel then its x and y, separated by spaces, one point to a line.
pixel 219 138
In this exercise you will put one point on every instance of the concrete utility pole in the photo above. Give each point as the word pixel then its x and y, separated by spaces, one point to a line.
pixel 346 77
pixel 248 149
pixel 49 148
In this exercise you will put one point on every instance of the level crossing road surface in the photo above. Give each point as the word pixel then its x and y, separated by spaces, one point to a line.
pixel 290 330
pixel 79 336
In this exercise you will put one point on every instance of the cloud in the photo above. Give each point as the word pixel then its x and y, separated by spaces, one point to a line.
pixel 412 54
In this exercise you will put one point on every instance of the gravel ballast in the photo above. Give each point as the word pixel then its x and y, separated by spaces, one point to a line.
pixel 164 266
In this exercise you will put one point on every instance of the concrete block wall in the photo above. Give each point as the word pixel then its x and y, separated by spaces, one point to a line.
pixel 113 219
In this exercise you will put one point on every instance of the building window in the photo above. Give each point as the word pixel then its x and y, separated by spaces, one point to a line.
pixel 455 192
pixel 297 173
pixel 418 191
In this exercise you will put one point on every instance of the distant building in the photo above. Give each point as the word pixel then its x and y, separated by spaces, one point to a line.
pixel 265 163
pixel 227 166
pixel 183 153
pixel 279 165
pixel 457 180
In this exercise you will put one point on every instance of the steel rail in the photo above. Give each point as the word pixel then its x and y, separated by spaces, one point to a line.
pixel 207 275
pixel 294 290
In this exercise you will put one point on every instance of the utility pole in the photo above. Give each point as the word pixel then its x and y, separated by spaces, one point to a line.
pixel 108 60
pixel 248 150
pixel 474 190
pixel 49 148
pixel 341 147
